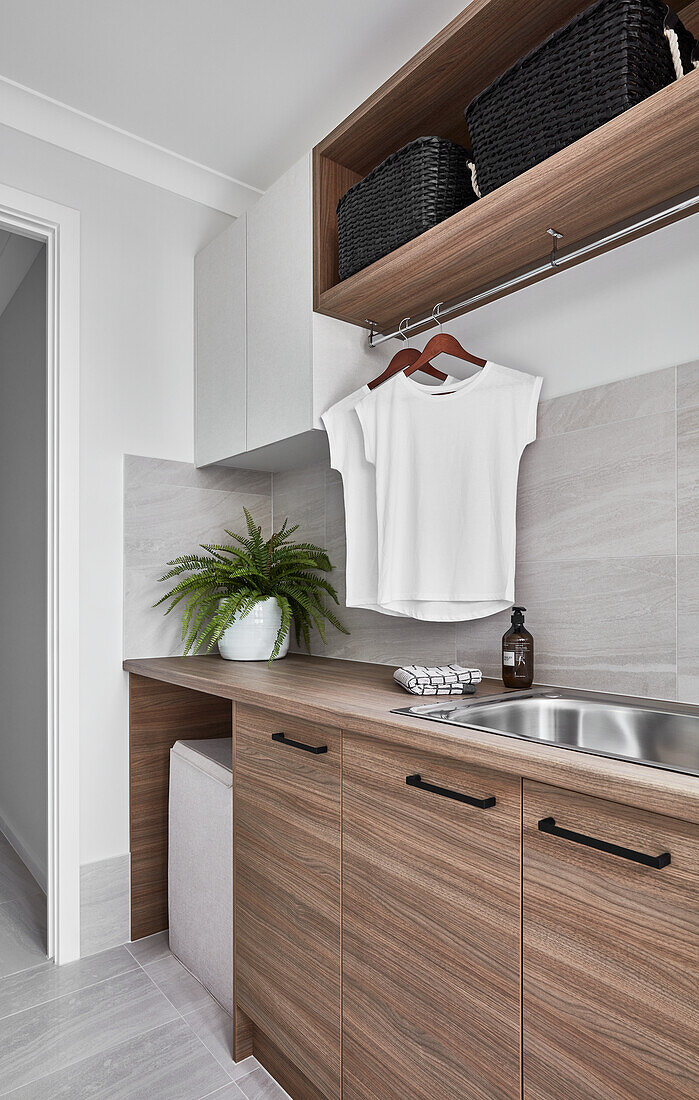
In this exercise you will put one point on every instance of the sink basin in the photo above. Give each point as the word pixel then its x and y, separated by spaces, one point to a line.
pixel 658 735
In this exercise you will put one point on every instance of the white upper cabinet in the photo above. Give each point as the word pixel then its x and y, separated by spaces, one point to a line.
pixel 219 279
pixel 280 338
pixel 267 365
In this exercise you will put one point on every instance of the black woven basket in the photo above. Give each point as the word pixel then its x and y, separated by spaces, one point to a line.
pixel 605 60
pixel 409 192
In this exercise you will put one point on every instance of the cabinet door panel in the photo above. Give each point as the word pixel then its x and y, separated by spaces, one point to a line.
pixel 431 929
pixel 219 271
pixel 287 889
pixel 280 366
pixel 610 953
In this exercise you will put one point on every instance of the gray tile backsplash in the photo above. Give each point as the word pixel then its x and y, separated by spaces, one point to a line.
pixel 590 619
pixel 169 509
pixel 688 532
pixel 600 405
pixel 610 605
pixel 607 550
pixel 300 495
pixel 688 628
pixel 582 492
pixel 688 459
pixel 607 623
pixel 688 385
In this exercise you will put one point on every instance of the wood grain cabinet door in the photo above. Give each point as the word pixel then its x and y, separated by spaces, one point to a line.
pixel 287 888
pixel 610 951
pixel 431 927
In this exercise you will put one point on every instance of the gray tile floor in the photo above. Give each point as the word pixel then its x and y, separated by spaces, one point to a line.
pixel 22 914
pixel 122 1025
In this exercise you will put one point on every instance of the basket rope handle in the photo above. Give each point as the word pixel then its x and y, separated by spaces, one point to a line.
pixel 674 44
pixel 474 178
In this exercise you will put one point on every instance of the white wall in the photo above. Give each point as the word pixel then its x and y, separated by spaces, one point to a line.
pixel 628 312
pixel 23 731
pixel 137 248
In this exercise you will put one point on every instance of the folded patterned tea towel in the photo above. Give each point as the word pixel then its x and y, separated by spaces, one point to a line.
pixel 437 680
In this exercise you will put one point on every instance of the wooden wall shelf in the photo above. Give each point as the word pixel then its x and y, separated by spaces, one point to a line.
pixel 641 159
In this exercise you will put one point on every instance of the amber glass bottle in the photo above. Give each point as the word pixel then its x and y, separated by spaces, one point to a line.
pixel 517 653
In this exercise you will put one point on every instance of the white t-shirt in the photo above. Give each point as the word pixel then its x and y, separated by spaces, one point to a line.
pixel 347 456
pixel 447 462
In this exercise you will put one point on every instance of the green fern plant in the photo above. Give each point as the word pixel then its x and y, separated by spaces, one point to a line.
pixel 228 581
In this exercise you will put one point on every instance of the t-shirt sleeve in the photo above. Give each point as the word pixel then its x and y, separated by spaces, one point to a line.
pixel 332 424
pixel 530 423
pixel 366 411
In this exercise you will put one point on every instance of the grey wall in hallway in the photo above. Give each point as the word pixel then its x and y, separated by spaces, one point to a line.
pixel 607 561
pixel 23 542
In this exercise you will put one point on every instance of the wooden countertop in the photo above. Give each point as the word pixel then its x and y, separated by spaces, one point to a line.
pixel 359 697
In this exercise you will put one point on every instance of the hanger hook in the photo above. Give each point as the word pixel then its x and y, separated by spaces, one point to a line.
pixel 401 329
pixel 435 315
pixel 555 238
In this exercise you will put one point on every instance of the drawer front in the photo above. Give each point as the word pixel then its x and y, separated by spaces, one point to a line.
pixel 610 951
pixel 431 927
pixel 287 888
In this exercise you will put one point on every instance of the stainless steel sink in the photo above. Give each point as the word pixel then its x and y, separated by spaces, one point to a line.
pixel 659 735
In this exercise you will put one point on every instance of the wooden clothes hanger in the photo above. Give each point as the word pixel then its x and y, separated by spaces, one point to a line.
pixel 409 360
pixel 406 360
pixel 443 344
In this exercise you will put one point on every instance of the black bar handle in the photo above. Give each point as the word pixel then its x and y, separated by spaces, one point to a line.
pixel 480 803
pixel 548 825
pixel 284 740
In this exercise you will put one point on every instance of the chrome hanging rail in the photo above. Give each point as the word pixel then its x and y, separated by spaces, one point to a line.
pixel 555 262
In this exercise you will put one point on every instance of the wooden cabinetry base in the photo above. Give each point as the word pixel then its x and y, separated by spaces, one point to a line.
pixel 159 715
pixel 285 1072
pixel 610 977
pixel 248 1039
pixel 242 1036
pixel 426 898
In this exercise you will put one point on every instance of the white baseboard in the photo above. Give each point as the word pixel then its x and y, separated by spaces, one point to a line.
pixel 30 862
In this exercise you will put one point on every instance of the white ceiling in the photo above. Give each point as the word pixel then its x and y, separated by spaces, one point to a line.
pixel 239 86
pixel 17 255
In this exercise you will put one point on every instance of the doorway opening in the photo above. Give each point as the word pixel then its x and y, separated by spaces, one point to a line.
pixel 39 581
pixel 24 602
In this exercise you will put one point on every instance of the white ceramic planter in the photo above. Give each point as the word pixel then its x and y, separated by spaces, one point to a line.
pixel 252 638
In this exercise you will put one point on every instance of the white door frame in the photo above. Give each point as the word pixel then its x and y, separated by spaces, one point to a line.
pixel 59 226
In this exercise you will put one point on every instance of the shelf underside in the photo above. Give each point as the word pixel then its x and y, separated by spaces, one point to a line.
pixel 644 158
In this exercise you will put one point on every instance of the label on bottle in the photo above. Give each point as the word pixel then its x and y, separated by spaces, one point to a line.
pixel 508 659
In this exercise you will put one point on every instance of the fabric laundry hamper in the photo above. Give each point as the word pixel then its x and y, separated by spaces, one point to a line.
pixel 200 862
